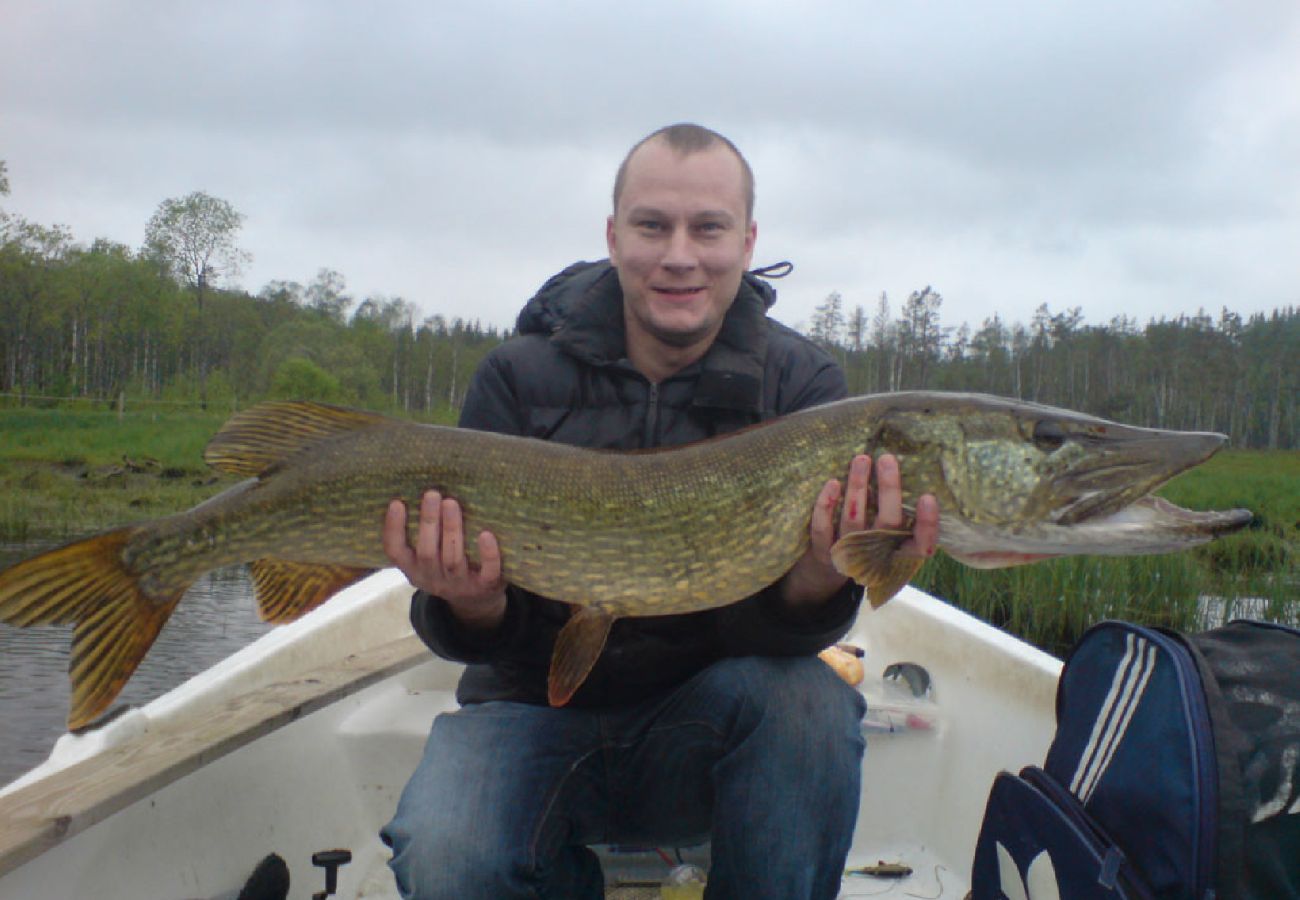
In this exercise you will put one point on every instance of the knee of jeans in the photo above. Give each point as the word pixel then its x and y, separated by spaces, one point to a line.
pixel 783 687
pixel 431 863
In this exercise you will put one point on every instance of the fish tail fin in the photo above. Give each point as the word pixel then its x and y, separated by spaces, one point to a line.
pixel 115 622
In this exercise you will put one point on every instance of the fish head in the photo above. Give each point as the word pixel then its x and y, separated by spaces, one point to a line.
pixel 1021 481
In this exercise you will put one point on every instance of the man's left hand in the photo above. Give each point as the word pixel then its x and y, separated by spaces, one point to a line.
pixel 813 579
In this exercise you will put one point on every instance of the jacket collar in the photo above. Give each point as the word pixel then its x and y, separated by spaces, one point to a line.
pixel 582 309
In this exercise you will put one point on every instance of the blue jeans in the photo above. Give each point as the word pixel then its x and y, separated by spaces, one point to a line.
pixel 762 756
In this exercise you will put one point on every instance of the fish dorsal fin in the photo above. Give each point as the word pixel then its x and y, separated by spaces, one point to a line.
pixel 287 590
pixel 868 558
pixel 577 648
pixel 254 440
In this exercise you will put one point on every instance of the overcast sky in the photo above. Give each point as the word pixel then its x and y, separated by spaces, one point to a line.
pixel 1138 157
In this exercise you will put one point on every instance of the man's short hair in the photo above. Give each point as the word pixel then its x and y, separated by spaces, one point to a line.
pixel 686 137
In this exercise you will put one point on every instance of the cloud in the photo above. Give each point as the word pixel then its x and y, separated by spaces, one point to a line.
pixel 1136 157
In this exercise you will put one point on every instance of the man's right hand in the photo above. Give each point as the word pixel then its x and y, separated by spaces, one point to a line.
pixel 437 563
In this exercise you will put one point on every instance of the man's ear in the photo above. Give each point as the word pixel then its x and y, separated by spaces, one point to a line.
pixel 609 239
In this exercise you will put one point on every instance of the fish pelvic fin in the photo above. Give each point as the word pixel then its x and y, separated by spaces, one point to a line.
pixel 116 623
pixel 254 440
pixel 577 648
pixel 288 590
pixel 870 559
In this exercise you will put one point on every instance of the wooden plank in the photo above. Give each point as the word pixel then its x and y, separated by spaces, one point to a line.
pixel 45 813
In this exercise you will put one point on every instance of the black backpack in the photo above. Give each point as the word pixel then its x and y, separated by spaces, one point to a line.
pixel 1174 774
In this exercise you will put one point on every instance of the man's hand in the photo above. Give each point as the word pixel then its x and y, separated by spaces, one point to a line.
pixel 813 580
pixel 437 563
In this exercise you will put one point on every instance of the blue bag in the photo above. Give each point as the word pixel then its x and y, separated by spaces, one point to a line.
pixel 1174 774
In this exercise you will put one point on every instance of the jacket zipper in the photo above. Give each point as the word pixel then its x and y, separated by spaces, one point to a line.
pixel 651 417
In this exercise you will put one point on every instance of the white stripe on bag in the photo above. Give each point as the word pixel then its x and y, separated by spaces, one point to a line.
pixel 1130 705
pixel 1126 689
pixel 1102 722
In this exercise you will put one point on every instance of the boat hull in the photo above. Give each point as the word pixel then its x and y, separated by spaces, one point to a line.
pixel 303 741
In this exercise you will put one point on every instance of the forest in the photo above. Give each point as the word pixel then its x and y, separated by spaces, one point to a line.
pixel 102 322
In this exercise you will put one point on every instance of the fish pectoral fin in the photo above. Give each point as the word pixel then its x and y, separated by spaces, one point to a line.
pixel 577 648
pixel 870 558
pixel 255 439
pixel 288 590
pixel 87 583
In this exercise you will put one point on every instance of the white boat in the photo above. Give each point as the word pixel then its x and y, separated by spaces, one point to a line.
pixel 303 740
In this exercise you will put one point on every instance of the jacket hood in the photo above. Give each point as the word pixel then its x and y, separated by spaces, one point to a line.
pixel 581 310
pixel 554 301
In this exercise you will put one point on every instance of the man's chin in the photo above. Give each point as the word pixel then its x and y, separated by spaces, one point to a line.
pixel 679 336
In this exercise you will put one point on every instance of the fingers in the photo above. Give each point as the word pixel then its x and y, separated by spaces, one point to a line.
pixel 436 561
pixel 813 579
pixel 428 542
pixel 821 529
pixel 890 514
pixel 856 496
pixel 857 493
pixel 889 493
pixel 489 558
pixel 925 535
pixel 852 501
pixel 396 548
pixel 440 540
pixel 452 555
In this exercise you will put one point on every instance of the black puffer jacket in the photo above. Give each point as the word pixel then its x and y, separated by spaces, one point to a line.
pixel 566 378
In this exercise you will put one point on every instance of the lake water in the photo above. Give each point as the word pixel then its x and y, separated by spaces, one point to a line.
pixel 216 618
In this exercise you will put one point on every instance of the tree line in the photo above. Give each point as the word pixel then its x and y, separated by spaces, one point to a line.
pixel 1239 376
pixel 157 324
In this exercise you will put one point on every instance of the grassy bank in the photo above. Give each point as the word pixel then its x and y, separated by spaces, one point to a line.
pixel 64 473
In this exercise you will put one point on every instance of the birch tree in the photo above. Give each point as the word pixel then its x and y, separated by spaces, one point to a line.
pixel 194 237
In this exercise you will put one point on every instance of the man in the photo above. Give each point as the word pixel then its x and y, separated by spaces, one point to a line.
pixel 719 725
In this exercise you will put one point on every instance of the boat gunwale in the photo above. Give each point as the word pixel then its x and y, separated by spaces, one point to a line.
pixel 37 817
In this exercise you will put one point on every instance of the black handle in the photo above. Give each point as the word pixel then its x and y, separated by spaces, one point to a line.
pixel 330 860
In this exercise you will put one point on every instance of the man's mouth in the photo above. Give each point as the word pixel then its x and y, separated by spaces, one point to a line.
pixel 678 293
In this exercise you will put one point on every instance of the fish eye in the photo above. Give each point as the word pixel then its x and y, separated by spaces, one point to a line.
pixel 1048 436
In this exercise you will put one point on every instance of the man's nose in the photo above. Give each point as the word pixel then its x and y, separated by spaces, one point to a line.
pixel 680 253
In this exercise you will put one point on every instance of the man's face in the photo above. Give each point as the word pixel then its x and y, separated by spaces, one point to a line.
pixel 681 241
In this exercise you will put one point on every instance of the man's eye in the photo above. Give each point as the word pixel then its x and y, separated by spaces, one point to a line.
pixel 649 225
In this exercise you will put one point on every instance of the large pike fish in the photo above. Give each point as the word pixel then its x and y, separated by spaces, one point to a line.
pixel 616 534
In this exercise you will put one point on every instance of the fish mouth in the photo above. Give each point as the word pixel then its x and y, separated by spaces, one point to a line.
pixel 1122 476
pixel 1150 524
pixel 1210 523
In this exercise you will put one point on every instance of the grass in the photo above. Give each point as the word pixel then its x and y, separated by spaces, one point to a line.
pixel 67 472
pixel 39 502
pixel 98 438
pixel 62 473
pixel 70 472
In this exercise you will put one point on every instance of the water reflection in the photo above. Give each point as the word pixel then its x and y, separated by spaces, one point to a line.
pixel 216 618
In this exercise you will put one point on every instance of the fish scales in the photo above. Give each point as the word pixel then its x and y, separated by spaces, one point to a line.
pixel 618 531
